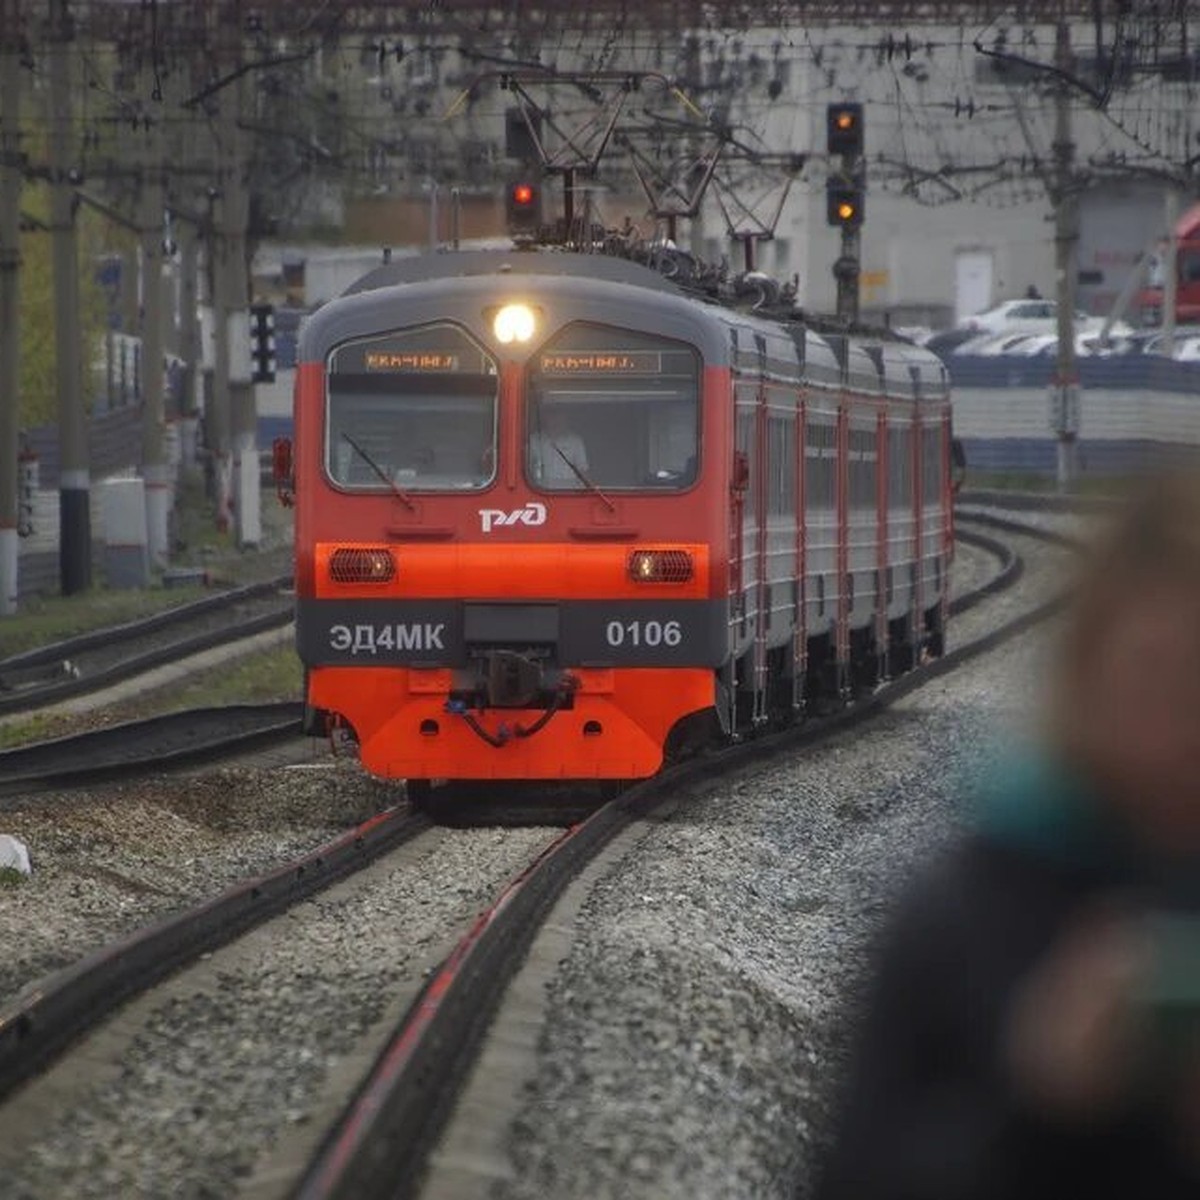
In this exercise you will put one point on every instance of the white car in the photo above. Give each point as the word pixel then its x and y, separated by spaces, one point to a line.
pixel 1035 316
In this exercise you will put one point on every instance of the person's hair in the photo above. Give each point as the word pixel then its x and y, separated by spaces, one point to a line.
pixel 1153 537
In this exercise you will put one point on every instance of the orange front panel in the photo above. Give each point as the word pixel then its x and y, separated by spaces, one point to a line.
pixel 536 571
pixel 616 728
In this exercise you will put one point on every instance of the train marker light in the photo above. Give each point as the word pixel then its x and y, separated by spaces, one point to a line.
pixel 660 566
pixel 362 564
pixel 514 323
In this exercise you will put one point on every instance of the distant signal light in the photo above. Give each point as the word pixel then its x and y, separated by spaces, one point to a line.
pixel 523 207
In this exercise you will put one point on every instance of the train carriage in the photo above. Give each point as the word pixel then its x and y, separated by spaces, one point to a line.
pixel 556 516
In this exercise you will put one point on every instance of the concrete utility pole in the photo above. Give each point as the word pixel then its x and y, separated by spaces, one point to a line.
pixel 234 433
pixel 1170 269
pixel 236 302
pixel 1065 387
pixel 10 270
pixel 74 486
pixel 155 470
pixel 188 344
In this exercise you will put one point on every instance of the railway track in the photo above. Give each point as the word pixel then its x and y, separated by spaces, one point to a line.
pixel 157 743
pixel 93 661
pixel 382 1144
pixel 408 1091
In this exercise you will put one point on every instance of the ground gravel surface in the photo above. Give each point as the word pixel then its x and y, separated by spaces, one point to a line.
pixel 238 1051
pixel 110 859
pixel 700 1018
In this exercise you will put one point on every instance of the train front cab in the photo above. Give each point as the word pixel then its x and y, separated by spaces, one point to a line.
pixel 511 601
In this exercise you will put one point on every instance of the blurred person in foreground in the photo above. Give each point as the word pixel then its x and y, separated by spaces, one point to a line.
pixel 1033 1029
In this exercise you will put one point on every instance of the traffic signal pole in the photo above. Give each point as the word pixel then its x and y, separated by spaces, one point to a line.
pixel 846 272
pixel 845 195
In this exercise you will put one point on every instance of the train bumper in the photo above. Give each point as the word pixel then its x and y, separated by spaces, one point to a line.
pixel 615 727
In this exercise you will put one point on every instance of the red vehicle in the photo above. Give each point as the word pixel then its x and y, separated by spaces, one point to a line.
pixel 555 516
pixel 1187 276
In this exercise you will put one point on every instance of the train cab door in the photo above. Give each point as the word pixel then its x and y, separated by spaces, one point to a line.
pixel 747 548
pixel 763 599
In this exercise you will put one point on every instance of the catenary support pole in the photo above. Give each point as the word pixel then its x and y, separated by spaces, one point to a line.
pixel 1065 400
pixel 243 401
pixel 155 470
pixel 75 526
pixel 1170 274
pixel 10 271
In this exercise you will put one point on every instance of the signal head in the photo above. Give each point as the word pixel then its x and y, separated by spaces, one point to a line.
pixel 523 207
pixel 844 129
pixel 844 203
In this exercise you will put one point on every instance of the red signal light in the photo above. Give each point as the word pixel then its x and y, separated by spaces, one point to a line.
pixel 523 205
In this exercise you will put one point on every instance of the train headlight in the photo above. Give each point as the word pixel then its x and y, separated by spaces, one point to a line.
pixel 660 566
pixel 514 323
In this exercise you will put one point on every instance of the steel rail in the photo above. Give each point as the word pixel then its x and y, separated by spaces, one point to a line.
pixel 129 630
pixel 381 1144
pixel 179 739
pixel 36 696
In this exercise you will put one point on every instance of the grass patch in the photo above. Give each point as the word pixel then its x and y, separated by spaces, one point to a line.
pixel 37 727
pixel 271 675
pixel 1030 481
pixel 53 618
pixel 255 679
pixel 197 542
pixel 10 877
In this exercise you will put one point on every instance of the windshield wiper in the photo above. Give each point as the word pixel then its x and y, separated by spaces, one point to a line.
pixel 588 483
pixel 399 492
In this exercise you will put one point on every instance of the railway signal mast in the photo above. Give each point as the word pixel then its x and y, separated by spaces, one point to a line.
pixel 844 198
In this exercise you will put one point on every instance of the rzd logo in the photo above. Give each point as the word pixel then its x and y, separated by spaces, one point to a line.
pixel 532 514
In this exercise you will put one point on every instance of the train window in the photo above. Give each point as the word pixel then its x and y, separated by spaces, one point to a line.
pixel 781 463
pixel 899 466
pixel 413 409
pixel 862 464
pixel 613 409
pixel 746 419
pixel 820 472
pixel 931 463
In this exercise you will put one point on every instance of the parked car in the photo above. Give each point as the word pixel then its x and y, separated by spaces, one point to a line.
pixel 1035 316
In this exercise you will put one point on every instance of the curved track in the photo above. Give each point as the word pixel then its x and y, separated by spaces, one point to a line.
pixel 383 1141
pixel 409 1094
pixel 122 751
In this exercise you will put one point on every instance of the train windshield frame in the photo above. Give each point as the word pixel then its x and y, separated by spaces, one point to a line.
pixel 415 409
pixel 613 409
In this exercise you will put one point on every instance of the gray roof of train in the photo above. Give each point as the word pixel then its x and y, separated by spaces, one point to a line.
pixel 455 282
pixel 461 263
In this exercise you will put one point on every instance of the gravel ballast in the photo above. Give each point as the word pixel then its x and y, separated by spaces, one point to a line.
pixel 695 1037
pixel 111 859
pixel 204 1078
pixel 699 1020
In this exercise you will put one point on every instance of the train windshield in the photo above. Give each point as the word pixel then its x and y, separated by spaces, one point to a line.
pixel 614 410
pixel 413 410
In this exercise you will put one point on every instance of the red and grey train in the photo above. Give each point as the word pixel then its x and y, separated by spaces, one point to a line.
pixel 556 517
